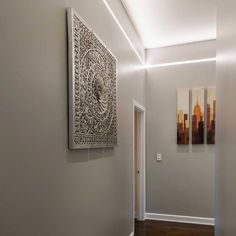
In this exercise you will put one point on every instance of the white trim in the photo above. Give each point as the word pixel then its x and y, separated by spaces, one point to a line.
pixel 142 186
pixel 123 31
pixel 132 234
pixel 181 62
pixel 138 106
pixel 180 219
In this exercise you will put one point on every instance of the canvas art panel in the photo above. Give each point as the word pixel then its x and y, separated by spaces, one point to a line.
pixel 211 114
pixel 198 98
pixel 183 116
pixel 92 87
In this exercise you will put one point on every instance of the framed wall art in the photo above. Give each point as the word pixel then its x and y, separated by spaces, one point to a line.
pixel 92 87
pixel 211 114
pixel 198 98
pixel 183 116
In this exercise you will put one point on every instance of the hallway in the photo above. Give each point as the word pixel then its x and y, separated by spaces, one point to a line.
pixel 158 228
pixel 73 159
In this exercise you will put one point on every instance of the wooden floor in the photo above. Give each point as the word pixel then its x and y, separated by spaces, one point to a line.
pixel 160 228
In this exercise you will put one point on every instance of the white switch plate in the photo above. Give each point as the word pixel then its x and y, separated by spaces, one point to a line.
pixel 159 157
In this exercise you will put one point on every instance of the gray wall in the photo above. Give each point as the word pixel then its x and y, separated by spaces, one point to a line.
pixel 183 183
pixel 184 52
pixel 226 112
pixel 47 189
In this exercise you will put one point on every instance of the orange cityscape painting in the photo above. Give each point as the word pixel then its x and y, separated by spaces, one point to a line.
pixel 183 116
pixel 198 115
pixel 211 114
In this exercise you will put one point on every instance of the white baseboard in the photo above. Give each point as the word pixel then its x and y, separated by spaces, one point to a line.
pixel 132 234
pixel 180 219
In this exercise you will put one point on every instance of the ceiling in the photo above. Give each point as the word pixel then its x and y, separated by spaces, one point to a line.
pixel 161 23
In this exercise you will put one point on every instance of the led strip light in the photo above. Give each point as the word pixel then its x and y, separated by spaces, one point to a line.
pixel 140 58
pixel 181 62
pixel 123 31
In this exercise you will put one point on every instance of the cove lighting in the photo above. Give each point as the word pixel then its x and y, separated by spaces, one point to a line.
pixel 123 31
pixel 181 62
pixel 188 21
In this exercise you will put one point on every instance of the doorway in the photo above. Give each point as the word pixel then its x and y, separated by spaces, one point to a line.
pixel 139 190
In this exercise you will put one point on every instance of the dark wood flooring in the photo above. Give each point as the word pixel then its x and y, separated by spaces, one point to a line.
pixel 161 228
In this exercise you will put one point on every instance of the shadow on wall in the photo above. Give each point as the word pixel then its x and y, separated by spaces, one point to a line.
pixel 196 148
pixel 85 155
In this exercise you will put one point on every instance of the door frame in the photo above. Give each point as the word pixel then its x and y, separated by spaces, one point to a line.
pixel 142 162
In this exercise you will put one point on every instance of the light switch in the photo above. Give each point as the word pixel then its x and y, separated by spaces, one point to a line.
pixel 159 157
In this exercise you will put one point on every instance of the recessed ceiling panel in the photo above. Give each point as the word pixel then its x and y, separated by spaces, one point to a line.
pixel 162 23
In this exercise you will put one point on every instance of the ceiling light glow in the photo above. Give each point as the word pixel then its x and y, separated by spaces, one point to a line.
pixel 123 31
pixel 181 62
pixel 167 22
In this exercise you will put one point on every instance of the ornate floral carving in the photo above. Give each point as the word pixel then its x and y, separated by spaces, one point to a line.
pixel 93 87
